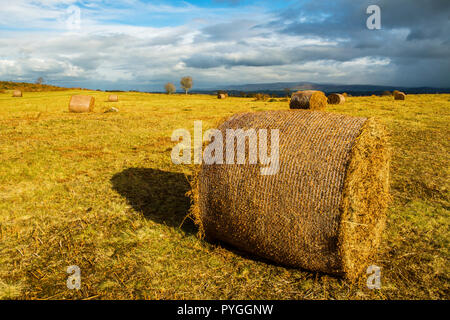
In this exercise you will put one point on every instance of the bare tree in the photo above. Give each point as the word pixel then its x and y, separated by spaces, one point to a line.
pixel 186 83
pixel 170 88
pixel 40 80
pixel 287 91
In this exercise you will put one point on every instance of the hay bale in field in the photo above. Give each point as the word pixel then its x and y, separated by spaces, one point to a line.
pixel 308 99
pixel 80 103
pixel 336 98
pixel 222 96
pixel 113 98
pixel 398 95
pixel 324 210
pixel 17 94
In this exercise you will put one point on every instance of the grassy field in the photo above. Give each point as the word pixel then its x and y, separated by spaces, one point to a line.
pixel 99 191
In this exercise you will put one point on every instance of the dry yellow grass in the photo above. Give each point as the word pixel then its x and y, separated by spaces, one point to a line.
pixel 110 201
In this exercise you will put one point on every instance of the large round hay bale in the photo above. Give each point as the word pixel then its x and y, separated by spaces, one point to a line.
pixel 80 103
pixel 398 95
pixel 17 94
pixel 221 96
pixel 325 208
pixel 113 98
pixel 308 99
pixel 336 98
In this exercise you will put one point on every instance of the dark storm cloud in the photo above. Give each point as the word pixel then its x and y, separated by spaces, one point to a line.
pixel 425 19
pixel 414 34
pixel 213 61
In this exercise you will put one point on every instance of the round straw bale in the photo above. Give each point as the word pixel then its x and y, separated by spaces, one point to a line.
pixel 308 99
pixel 81 103
pixel 325 208
pixel 221 96
pixel 17 94
pixel 336 98
pixel 398 95
pixel 113 98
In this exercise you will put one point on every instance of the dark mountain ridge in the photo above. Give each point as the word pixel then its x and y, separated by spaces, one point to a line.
pixel 354 89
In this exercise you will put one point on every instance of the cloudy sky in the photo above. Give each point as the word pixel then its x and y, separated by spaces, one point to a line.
pixel 139 44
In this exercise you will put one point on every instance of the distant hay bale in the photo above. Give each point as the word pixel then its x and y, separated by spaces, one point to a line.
pixel 336 98
pixel 80 103
pixel 222 96
pixel 17 94
pixel 308 99
pixel 113 98
pixel 324 210
pixel 398 95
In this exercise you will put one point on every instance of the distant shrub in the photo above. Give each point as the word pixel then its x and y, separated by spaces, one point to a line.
pixel 287 91
pixel 273 100
pixel 261 97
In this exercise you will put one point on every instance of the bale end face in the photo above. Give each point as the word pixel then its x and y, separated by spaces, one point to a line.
pixel 221 96
pixel 365 199
pixel 113 98
pixel 81 103
pixel 329 205
pixel 309 99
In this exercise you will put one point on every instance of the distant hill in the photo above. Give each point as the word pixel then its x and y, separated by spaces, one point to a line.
pixel 28 87
pixel 279 87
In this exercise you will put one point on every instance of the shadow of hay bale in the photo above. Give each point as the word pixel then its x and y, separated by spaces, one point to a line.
pixel 159 195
